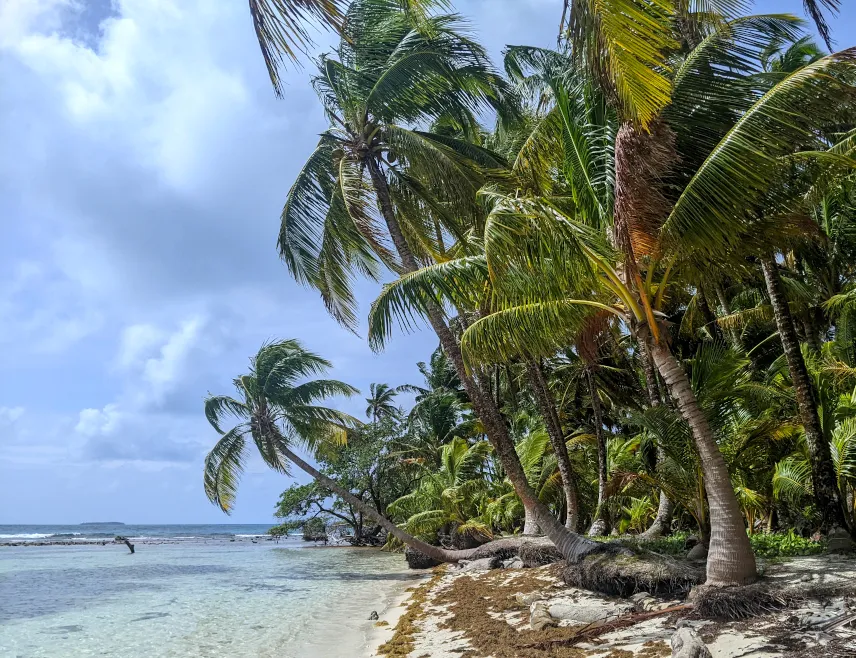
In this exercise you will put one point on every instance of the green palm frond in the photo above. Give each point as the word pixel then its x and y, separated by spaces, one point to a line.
pixel 409 298
pixel 217 407
pixel 528 330
pixel 739 172
pixel 281 31
pixel 626 42
pixel 792 479
pixel 223 468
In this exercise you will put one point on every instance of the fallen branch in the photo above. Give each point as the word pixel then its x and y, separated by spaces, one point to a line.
pixel 596 629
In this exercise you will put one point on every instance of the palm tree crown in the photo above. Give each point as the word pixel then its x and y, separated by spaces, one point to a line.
pixel 274 410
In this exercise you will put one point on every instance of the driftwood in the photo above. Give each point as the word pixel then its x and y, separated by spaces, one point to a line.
pixel 126 541
pixel 596 629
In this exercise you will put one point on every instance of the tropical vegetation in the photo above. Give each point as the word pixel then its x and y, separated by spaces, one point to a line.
pixel 636 251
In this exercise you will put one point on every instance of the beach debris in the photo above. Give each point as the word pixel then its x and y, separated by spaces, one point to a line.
pixel 687 644
pixel 568 610
pixel 540 617
pixel 124 540
pixel 513 563
pixel 483 564
pixel 374 616
pixel 528 599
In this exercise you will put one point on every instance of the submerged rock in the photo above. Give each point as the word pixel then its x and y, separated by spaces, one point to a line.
pixel 373 616
pixel 687 644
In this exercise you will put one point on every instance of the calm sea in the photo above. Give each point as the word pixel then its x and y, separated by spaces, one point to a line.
pixel 188 591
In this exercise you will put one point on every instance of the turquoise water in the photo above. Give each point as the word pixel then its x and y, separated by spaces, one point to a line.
pixel 224 599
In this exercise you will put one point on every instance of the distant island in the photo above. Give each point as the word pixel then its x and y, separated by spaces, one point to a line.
pixel 103 523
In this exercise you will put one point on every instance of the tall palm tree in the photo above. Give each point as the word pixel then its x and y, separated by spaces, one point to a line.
pixel 825 489
pixel 374 191
pixel 726 168
pixel 276 411
pixel 380 403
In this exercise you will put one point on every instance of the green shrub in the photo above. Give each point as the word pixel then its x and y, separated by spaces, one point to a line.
pixel 785 544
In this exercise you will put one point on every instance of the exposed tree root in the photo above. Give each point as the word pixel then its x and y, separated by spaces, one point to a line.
pixel 539 552
pixel 624 575
pixel 760 598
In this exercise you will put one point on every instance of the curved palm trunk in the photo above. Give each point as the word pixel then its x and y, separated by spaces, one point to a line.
pixel 599 525
pixel 730 559
pixel 547 407
pixel 435 552
pixel 662 523
pixel 823 478
pixel 569 544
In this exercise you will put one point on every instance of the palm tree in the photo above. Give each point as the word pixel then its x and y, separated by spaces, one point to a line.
pixel 727 166
pixel 448 500
pixel 374 191
pixel 380 403
pixel 275 411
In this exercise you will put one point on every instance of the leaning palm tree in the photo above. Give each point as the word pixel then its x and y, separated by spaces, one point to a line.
pixel 276 411
pixel 380 403
pixel 378 193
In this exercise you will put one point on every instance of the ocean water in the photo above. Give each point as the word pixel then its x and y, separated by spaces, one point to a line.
pixel 96 532
pixel 192 598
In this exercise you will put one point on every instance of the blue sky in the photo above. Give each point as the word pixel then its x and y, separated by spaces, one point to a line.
pixel 144 164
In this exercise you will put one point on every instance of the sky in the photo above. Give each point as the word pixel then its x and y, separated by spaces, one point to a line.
pixel 144 160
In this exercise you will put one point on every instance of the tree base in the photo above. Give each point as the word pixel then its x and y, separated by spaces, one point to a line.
pixel 626 574
pixel 760 598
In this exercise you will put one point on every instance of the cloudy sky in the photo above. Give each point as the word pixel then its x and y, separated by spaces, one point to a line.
pixel 143 165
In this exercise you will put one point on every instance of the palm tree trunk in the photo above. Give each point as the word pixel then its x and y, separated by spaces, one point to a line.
pixel 547 407
pixel 824 484
pixel 599 526
pixel 730 559
pixel 663 521
pixel 571 545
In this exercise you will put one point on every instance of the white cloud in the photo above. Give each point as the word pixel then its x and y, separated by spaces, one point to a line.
pixel 9 415
pixel 161 373
pixel 95 422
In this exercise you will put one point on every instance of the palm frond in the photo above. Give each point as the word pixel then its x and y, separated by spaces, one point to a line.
pixel 281 31
pixel 712 213
pixel 223 468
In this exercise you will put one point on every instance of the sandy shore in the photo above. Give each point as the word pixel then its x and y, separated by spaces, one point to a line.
pixel 459 613
pixel 382 630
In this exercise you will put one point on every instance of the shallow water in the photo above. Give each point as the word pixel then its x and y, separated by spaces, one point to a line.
pixel 226 599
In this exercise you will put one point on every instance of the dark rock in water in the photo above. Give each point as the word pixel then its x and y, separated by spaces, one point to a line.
pixel 151 615
pixel 373 616
pixel 536 553
pixel 418 560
